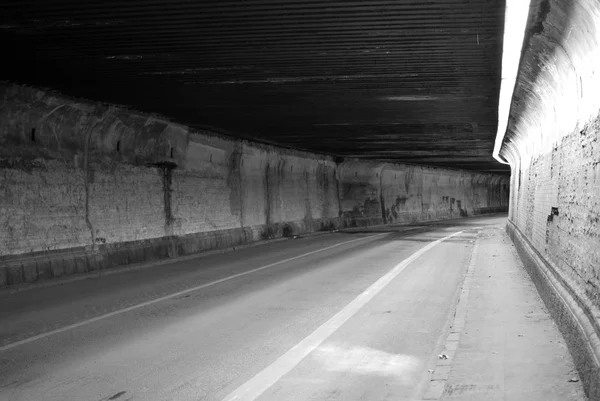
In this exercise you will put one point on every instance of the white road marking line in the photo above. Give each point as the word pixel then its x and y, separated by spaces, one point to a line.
pixel 257 385
pixel 176 294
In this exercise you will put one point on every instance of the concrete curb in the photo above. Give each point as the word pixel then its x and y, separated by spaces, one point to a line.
pixel 40 266
pixel 143 265
pixel 439 377
pixel 49 282
pixel 568 310
pixel 93 274
pixel 131 267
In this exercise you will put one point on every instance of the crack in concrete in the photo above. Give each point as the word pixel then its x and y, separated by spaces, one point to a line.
pixel 43 119
pixel 86 180
pixel 86 185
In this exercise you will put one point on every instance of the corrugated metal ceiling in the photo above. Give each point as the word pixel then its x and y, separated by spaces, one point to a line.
pixel 413 81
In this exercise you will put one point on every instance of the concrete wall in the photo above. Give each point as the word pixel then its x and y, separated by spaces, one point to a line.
pixel 87 186
pixel 553 141
pixel 397 193
pixel 553 147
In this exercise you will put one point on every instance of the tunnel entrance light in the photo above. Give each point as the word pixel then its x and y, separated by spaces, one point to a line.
pixel 515 21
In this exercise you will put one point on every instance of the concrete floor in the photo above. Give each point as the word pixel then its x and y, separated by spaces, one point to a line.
pixel 345 316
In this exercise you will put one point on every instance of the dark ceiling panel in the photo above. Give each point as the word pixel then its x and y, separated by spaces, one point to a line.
pixel 413 81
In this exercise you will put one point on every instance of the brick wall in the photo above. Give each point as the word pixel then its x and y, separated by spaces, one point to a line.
pixel 567 179
pixel 553 141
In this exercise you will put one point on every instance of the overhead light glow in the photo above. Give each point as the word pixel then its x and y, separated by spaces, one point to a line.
pixel 515 21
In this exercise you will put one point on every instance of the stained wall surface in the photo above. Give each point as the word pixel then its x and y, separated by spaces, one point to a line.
pixel 86 186
pixel 553 141
pixel 397 193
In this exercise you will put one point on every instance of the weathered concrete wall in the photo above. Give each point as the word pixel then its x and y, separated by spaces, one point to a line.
pixel 553 146
pixel 553 140
pixel 396 193
pixel 88 186
pixel 360 190
pixel 105 186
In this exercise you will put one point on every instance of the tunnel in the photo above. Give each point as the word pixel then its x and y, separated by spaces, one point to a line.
pixel 300 200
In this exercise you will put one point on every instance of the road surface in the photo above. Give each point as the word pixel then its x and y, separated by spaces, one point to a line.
pixel 343 316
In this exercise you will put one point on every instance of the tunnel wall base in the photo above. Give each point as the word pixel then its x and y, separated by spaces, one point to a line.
pixel 43 265
pixel 86 187
pixel 573 314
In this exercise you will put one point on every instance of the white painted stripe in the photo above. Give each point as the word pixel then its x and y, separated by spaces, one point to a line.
pixel 254 387
pixel 176 294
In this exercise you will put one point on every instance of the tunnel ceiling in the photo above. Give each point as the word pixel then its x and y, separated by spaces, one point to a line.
pixel 404 80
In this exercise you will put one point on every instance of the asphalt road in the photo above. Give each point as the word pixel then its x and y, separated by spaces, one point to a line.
pixel 343 316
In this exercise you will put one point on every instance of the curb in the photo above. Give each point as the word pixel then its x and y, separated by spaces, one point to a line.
pixel 8 290
pixel 443 366
pixel 567 309
pixel 94 274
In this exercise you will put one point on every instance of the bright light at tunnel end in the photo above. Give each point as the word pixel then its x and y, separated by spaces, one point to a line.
pixel 515 21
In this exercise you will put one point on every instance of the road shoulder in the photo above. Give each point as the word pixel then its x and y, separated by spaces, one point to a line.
pixel 503 344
